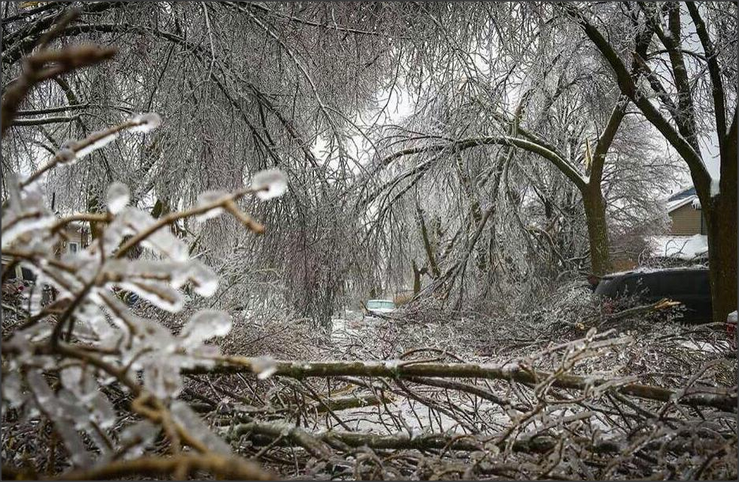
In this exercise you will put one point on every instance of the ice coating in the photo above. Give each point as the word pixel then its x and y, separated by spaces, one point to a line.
pixel 161 241
pixel 190 420
pixel 204 325
pixel 53 406
pixel 26 214
pixel 157 293
pixel 139 435
pixel 264 367
pixel 65 155
pixel 162 378
pixel 105 139
pixel 204 279
pixel 206 198
pixel 146 122
pixel 269 184
pixel 118 197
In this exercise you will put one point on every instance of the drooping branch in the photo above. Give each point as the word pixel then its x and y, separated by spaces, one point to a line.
pixel 37 70
pixel 23 40
pixel 563 165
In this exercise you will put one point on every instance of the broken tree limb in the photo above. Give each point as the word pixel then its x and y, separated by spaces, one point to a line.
pixel 229 468
pixel 290 433
pixel 663 304
pixel 438 441
pixel 510 372
pixel 347 402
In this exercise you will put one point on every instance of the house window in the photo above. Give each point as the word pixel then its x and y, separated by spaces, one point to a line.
pixel 74 247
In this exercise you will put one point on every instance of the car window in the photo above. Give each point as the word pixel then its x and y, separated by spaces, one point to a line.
pixel 691 283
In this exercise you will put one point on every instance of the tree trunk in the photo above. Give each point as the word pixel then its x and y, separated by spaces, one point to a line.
pixel 722 261
pixel 417 277
pixel 595 215
pixel 721 221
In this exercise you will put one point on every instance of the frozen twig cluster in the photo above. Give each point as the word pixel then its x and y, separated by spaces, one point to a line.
pixel 78 351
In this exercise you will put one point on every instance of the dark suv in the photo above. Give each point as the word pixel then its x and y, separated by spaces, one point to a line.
pixel 690 286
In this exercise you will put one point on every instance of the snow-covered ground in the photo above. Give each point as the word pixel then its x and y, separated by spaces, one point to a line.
pixel 718 347
pixel 350 325
pixel 683 247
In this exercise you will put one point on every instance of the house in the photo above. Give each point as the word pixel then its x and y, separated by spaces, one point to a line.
pixel 76 237
pixel 687 240
pixel 684 209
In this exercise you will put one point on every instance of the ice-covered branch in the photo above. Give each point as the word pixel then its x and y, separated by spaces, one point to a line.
pixel 513 373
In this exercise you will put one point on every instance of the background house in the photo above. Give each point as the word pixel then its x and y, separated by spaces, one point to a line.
pixel 685 213
pixel 77 237
pixel 687 241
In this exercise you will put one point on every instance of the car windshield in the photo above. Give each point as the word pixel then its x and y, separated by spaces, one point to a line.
pixel 380 304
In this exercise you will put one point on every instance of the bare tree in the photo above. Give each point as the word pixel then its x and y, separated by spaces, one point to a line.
pixel 679 111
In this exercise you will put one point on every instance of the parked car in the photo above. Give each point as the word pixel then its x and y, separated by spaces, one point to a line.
pixel 380 307
pixel 689 286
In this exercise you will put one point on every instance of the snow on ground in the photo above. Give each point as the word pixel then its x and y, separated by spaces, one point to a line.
pixel 407 415
pixel 683 247
pixel 719 347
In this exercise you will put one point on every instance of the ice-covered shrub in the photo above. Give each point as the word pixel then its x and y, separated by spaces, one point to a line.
pixel 105 378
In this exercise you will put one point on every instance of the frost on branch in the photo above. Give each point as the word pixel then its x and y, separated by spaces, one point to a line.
pixel 205 325
pixel 118 197
pixel 146 122
pixel 208 198
pixel 269 184
pixel 70 357
pixel 26 217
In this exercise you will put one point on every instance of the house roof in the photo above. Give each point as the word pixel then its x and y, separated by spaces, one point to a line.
pixel 682 194
pixel 672 206
pixel 681 198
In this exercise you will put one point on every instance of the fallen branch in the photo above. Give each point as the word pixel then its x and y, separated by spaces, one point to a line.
pixel 512 373
pixel 347 402
pixel 528 443
pixel 229 468
pixel 314 445
pixel 663 304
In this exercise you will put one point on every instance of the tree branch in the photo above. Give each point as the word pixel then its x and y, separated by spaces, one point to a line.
pixel 714 71
pixel 396 369
pixel 699 173
pixel 567 169
pixel 42 121
pixel 229 468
